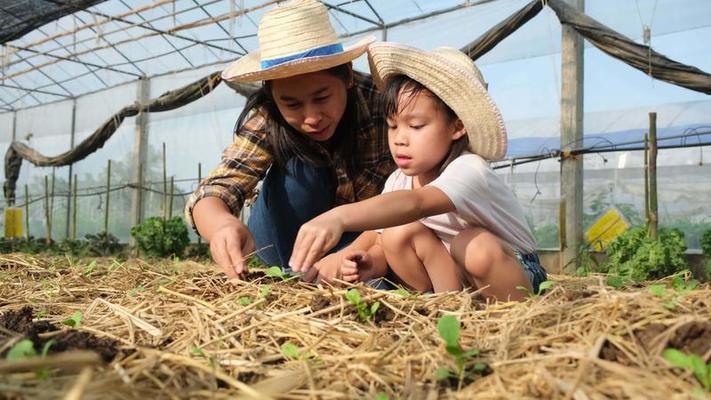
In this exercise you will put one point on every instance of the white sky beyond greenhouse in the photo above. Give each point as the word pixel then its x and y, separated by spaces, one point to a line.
pixel 523 73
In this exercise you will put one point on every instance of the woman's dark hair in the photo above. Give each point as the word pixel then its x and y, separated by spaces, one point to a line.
pixel 403 85
pixel 287 143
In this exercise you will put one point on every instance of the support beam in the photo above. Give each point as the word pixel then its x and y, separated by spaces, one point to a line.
pixel 71 168
pixel 571 134
pixel 140 147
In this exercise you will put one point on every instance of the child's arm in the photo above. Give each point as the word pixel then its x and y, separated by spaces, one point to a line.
pixel 388 209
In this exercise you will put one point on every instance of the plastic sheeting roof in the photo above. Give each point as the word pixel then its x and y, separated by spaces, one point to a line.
pixel 92 45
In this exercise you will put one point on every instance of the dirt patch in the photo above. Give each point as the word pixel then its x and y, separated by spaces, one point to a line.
pixel 691 338
pixel 319 302
pixel 21 322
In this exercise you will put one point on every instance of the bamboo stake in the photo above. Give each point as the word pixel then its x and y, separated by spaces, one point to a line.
pixel 51 199
pixel 163 203
pixel 27 211
pixel 653 211
pixel 74 208
pixel 48 220
pixel 108 196
pixel 170 198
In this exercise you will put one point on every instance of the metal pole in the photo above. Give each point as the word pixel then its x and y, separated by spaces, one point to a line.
pixel 170 198
pixel 48 220
pixel 653 211
pixel 108 196
pixel 165 186
pixel 199 180
pixel 71 169
pixel 646 179
pixel 51 197
pixel 571 132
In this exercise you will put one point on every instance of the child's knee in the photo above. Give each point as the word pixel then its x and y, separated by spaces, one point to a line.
pixel 477 250
pixel 401 236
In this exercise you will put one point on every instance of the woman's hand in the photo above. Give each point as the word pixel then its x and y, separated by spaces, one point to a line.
pixel 230 245
pixel 314 239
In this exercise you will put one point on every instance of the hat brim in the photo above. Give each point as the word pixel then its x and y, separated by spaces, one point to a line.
pixel 249 69
pixel 456 85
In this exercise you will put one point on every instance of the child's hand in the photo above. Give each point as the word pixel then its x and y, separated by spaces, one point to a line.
pixel 314 239
pixel 352 261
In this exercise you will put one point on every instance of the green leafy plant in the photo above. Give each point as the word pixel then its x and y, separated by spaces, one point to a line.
pixel 157 237
pixel 545 285
pixel 637 256
pixel 680 285
pixel 365 311
pixel 244 300
pixel 449 329
pixel 75 320
pixel 616 281
pixel 696 364
pixel 276 272
pixel 264 291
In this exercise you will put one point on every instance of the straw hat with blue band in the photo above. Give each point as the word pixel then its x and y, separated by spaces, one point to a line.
pixel 295 38
pixel 453 77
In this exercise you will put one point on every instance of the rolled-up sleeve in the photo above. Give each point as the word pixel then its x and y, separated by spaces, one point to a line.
pixel 244 163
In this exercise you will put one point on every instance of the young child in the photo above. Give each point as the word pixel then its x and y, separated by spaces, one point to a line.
pixel 449 221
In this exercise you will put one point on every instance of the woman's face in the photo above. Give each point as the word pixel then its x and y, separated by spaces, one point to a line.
pixel 312 103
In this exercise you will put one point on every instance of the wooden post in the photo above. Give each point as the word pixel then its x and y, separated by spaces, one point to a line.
pixel 27 211
pixel 199 180
pixel 139 155
pixel 653 215
pixel 571 134
pixel 646 179
pixel 48 219
pixel 51 197
pixel 108 196
pixel 170 198
pixel 74 207
pixel 67 231
pixel 165 187
pixel 561 236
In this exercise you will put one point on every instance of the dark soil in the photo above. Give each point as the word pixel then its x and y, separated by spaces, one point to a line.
pixel 319 302
pixel 21 323
pixel 691 338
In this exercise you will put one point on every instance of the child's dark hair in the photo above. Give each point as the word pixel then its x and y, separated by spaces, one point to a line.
pixel 403 85
pixel 287 143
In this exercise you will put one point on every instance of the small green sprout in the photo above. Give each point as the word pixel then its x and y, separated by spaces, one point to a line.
pixel 364 311
pixel 244 300
pixel 449 327
pixel 135 291
pixel 701 370
pixel 292 352
pixel 197 351
pixel 26 349
pixel 616 281
pixel 402 292
pixel 75 320
pixel 264 291
pixel 382 396
pixel 276 272
pixel 545 285
pixel 89 269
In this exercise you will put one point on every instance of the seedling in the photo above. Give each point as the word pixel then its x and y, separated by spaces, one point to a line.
pixel 134 291
pixel 75 320
pixel 276 272
pixel 382 396
pixel 25 349
pixel 616 281
pixel 264 291
pixel 244 301
pixel 197 351
pixel 89 269
pixel 449 327
pixel 701 370
pixel 402 292
pixel 364 311
pixel 545 285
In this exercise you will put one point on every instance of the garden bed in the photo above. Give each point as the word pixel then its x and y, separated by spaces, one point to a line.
pixel 179 329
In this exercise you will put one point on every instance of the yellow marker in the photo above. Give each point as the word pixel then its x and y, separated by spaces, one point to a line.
pixel 13 223
pixel 606 228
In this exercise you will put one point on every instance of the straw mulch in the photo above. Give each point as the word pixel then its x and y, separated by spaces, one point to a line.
pixel 180 330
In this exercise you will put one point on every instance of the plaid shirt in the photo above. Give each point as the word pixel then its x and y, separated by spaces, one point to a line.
pixel 246 161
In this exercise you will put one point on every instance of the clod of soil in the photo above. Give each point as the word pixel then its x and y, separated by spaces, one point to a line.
pixel 21 322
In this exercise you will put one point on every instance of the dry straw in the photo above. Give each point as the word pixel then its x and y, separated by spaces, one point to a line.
pixel 185 332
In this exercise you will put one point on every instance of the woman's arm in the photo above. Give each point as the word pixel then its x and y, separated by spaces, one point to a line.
pixel 395 208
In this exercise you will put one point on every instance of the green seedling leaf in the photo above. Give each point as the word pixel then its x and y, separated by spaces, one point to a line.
pixel 479 367
pixel 471 353
pixel 701 370
pixel 275 272
pixel 290 351
pixel 402 292
pixel 382 396
pixel 615 281
pixel 658 290
pixel 45 348
pixel 265 290
pixel 197 351
pixel 671 304
pixel 448 327
pixel 374 307
pixel 89 268
pixel 22 349
pixel 353 296
pixel 244 301
pixel 442 373
pixel 75 320
pixel 524 290
pixel 545 285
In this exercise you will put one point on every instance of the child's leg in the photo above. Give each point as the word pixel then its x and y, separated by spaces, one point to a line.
pixel 490 262
pixel 418 257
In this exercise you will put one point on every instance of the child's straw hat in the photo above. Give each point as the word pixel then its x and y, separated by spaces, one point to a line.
pixel 294 38
pixel 452 76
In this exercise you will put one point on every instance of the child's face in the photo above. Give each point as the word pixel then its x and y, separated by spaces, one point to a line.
pixel 312 103
pixel 421 135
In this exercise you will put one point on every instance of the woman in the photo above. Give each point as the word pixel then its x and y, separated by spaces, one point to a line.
pixel 313 132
